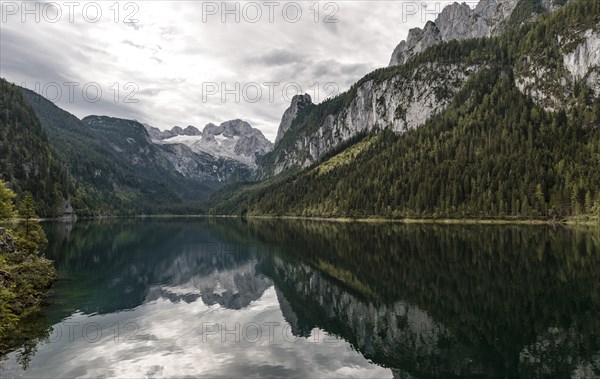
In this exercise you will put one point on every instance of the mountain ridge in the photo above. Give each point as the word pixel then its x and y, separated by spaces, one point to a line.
pixel 402 97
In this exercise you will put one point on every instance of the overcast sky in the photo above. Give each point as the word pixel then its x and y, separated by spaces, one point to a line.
pixel 185 62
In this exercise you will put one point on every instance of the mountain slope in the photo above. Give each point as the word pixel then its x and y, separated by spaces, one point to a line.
pixel 491 152
pixel 26 160
pixel 404 96
pixel 109 185
pixel 191 175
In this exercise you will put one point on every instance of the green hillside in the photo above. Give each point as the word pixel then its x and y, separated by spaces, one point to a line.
pixel 26 160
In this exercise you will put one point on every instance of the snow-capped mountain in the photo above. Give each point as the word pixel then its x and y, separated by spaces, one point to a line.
pixel 234 139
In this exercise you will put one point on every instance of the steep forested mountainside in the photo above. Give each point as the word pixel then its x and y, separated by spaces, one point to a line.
pixel 404 97
pixel 109 185
pixel 488 148
pixel 26 160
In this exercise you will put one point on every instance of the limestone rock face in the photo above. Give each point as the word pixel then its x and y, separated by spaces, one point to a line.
pixel 400 103
pixel 456 22
pixel 157 134
pixel 585 56
pixel 235 140
pixel 418 40
pixel 550 88
pixel 298 102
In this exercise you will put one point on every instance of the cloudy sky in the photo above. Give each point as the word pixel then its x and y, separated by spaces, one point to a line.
pixel 184 63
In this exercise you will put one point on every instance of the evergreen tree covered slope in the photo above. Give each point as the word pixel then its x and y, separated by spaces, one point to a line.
pixel 108 184
pixel 498 149
pixel 26 161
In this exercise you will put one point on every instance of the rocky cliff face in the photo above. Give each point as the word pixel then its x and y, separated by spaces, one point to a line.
pixel 157 134
pixel 456 22
pixel 234 140
pixel 550 87
pixel 402 102
pixel 584 61
pixel 298 102
pixel 418 40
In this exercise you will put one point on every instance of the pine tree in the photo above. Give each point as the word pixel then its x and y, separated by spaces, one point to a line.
pixel 7 208
pixel 588 202
pixel 31 235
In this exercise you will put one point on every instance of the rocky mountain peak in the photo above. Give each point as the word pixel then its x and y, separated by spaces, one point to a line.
pixel 237 128
pixel 298 102
pixel 191 131
pixel 234 139
pixel 457 22
pixel 418 40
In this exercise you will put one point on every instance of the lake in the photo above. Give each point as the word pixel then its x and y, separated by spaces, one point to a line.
pixel 226 297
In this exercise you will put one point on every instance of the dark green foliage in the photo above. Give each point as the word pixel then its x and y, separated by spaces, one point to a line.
pixel 26 161
pixel 7 206
pixel 24 273
pixel 31 236
pixel 524 11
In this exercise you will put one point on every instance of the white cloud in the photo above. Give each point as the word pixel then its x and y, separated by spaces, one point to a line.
pixel 163 346
pixel 170 53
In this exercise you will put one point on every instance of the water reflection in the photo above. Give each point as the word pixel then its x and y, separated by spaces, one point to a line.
pixel 225 297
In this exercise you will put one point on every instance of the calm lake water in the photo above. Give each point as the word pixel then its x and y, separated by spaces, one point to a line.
pixel 273 298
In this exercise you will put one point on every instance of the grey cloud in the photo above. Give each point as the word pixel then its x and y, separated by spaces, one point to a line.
pixel 130 43
pixel 341 73
pixel 278 57
pixel 150 91
pixel 134 25
pixel 189 52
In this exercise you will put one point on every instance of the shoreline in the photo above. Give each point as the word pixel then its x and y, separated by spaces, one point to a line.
pixel 446 221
